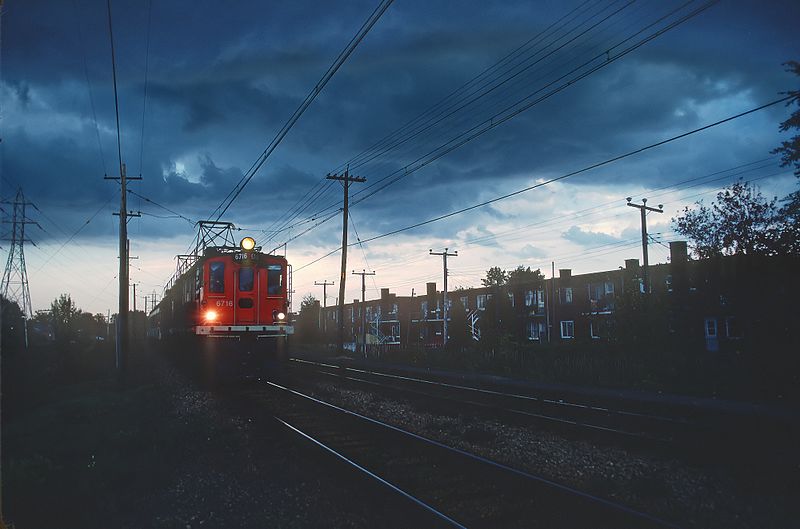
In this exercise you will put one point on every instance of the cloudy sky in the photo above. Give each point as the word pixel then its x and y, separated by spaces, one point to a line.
pixel 443 105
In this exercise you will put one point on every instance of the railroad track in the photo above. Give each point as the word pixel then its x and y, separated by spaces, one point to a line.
pixel 597 420
pixel 450 486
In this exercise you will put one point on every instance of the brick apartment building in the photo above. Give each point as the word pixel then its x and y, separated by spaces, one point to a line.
pixel 719 304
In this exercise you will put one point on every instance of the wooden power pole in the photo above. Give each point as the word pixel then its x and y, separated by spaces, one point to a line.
pixel 363 275
pixel 444 255
pixel 323 324
pixel 346 178
pixel 644 208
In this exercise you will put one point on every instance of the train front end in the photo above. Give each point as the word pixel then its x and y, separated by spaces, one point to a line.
pixel 244 293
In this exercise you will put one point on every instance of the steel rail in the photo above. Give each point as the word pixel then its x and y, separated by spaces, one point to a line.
pixel 498 393
pixel 374 476
pixel 597 500
pixel 540 416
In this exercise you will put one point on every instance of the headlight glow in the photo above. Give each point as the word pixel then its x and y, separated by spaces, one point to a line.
pixel 211 315
pixel 281 316
pixel 247 244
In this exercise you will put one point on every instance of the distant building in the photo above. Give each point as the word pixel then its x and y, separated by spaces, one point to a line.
pixel 718 304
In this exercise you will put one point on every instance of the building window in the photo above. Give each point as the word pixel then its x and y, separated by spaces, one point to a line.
pixel 594 330
pixel 711 328
pixel 529 298
pixel 423 307
pixel 481 301
pixel 216 277
pixel 568 295
pixel 465 302
pixel 394 308
pixel 540 299
pixel 511 298
pixel 568 329
pixel 352 314
pixel 668 283
pixel 532 330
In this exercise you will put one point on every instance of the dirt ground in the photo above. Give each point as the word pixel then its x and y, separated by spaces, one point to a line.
pixel 81 450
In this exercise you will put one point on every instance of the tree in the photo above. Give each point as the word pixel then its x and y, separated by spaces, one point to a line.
pixel 13 324
pixel 790 155
pixel 523 275
pixel 308 322
pixel 309 300
pixel 790 150
pixel 64 314
pixel 741 221
pixel 495 277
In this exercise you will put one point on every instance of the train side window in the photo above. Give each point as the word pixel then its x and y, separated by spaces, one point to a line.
pixel 274 280
pixel 245 279
pixel 216 277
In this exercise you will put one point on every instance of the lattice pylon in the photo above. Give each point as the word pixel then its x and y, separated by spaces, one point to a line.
pixel 14 286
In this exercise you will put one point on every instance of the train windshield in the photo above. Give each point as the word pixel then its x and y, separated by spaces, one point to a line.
pixel 274 280
pixel 246 280
pixel 216 277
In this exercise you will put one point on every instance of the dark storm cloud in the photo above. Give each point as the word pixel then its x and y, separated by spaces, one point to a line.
pixel 222 85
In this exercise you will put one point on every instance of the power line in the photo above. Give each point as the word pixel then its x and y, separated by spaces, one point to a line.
pixel 146 68
pixel 520 106
pixel 381 143
pixel 89 87
pixel 416 131
pixel 558 178
pixel 343 55
pixel 165 208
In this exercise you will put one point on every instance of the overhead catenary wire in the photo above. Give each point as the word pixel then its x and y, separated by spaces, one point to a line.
pixel 340 59
pixel 89 86
pixel 165 208
pixel 581 72
pixel 422 117
pixel 561 177
pixel 146 72
pixel 381 143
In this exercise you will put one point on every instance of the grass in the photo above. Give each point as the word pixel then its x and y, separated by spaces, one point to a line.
pixel 78 447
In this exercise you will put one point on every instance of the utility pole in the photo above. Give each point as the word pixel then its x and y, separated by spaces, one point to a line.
pixel 444 255
pixel 122 314
pixel 145 303
pixel 551 307
pixel 363 275
pixel 324 322
pixel 643 209
pixel 134 297
pixel 346 177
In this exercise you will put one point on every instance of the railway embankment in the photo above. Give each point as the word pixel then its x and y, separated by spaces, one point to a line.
pixel 81 450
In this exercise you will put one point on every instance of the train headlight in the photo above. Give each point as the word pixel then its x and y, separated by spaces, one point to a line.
pixel 247 244
pixel 211 315
pixel 281 316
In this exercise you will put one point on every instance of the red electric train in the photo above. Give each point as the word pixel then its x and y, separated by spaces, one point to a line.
pixel 232 293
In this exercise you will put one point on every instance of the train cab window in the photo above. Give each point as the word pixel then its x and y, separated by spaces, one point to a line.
pixel 274 280
pixel 246 279
pixel 216 277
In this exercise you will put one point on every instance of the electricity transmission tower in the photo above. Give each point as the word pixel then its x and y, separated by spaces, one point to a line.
pixel 14 286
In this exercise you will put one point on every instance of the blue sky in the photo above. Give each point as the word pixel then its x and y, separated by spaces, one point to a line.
pixel 221 81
